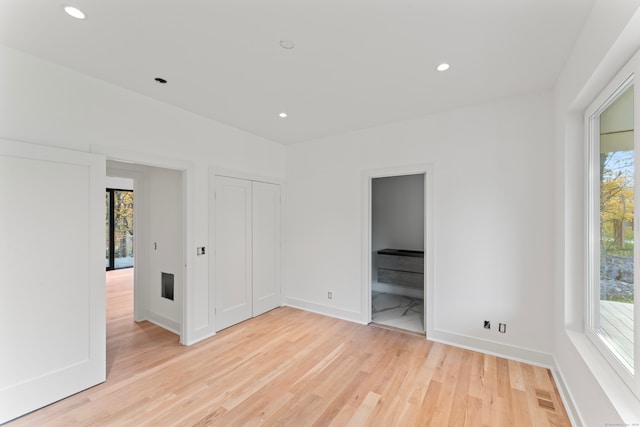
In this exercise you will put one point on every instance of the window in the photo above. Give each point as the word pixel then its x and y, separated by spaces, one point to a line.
pixel 119 235
pixel 614 269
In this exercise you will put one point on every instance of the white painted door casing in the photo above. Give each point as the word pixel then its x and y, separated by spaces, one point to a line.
pixel 52 310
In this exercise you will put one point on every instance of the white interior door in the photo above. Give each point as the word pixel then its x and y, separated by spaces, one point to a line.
pixel 233 300
pixel 266 247
pixel 52 309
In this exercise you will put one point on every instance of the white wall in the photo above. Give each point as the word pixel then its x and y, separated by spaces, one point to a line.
pixel 48 104
pixel 397 213
pixel 493 220
pixel 118 183
pixel 610 37
pixel 165 245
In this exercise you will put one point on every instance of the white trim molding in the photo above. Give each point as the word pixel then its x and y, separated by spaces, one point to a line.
pixel 429 245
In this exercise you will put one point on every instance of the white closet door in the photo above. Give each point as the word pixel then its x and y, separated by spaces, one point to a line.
pixel 233 251
pixel 52 308
pixel 266 247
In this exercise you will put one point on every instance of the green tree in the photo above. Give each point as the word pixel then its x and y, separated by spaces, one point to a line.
pixel 123 223
pixel 616 203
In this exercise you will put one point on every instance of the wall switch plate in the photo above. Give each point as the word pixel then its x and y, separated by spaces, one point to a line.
pixel 329 295
pixel 502 327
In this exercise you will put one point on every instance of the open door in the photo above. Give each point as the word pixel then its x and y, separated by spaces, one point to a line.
pixel 52 308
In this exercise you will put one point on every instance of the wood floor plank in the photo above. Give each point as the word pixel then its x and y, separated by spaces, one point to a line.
pixel 363 413
pixel 294 368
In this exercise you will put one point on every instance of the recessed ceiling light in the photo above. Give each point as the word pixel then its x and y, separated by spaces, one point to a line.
pixel 442 67
pixel 286 44
pixel 74 12
pixel 282 115
pixel 160 80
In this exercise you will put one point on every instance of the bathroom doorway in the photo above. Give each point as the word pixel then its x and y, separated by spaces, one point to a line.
pixel 397 252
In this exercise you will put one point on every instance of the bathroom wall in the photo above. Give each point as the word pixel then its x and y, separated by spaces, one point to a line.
pixel 397 212
pixel 397 220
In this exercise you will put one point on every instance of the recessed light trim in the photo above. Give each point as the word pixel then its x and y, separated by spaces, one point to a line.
pixel 287 44
pixel 443 67
pixel 283 115
pixel 74 12
pixel 160 80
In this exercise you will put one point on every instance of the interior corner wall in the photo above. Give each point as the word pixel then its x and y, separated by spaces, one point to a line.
pixel 593 392
pixel 493 215
pixel 45 103
pixel 397 212
pixel 165 245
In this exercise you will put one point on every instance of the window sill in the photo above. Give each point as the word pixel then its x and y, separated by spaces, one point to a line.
pixel 621 397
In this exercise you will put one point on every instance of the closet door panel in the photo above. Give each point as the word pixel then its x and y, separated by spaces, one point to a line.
pixel 266 247
pixel 233 254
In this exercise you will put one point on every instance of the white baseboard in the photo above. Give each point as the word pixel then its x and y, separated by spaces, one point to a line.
pixel 351 316
pixel 565 395
pixel 197 337
pixel 163 322
pixel 507 351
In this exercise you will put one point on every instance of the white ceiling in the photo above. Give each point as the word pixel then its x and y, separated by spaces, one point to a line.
pixel 356 63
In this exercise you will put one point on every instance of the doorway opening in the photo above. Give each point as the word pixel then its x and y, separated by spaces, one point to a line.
pixel 397 251
pixel 156 217
pixel 370 256
pixel 119 226
pixel 119 250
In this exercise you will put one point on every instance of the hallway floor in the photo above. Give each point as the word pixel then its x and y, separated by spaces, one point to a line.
pixel 398 311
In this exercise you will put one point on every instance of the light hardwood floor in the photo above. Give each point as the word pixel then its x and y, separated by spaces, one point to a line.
pixel 293 368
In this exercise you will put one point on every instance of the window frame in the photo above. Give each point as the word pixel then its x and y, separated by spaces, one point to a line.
pixel 621 82
pixel 111 228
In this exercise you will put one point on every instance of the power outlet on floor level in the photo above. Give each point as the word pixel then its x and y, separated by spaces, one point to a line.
pixel 487 324
pixel 502 327
pixel 329 295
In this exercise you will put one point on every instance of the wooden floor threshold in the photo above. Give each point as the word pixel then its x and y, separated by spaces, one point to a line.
pixel 396 329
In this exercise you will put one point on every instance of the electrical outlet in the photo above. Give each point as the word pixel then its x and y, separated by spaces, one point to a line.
pixel 487 324
pixel 329 295
pixel 502 327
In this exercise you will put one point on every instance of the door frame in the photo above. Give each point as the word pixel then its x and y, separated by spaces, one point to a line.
pixel 188 171
pixel 112 245
pixel 429 245
pixel 139 187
